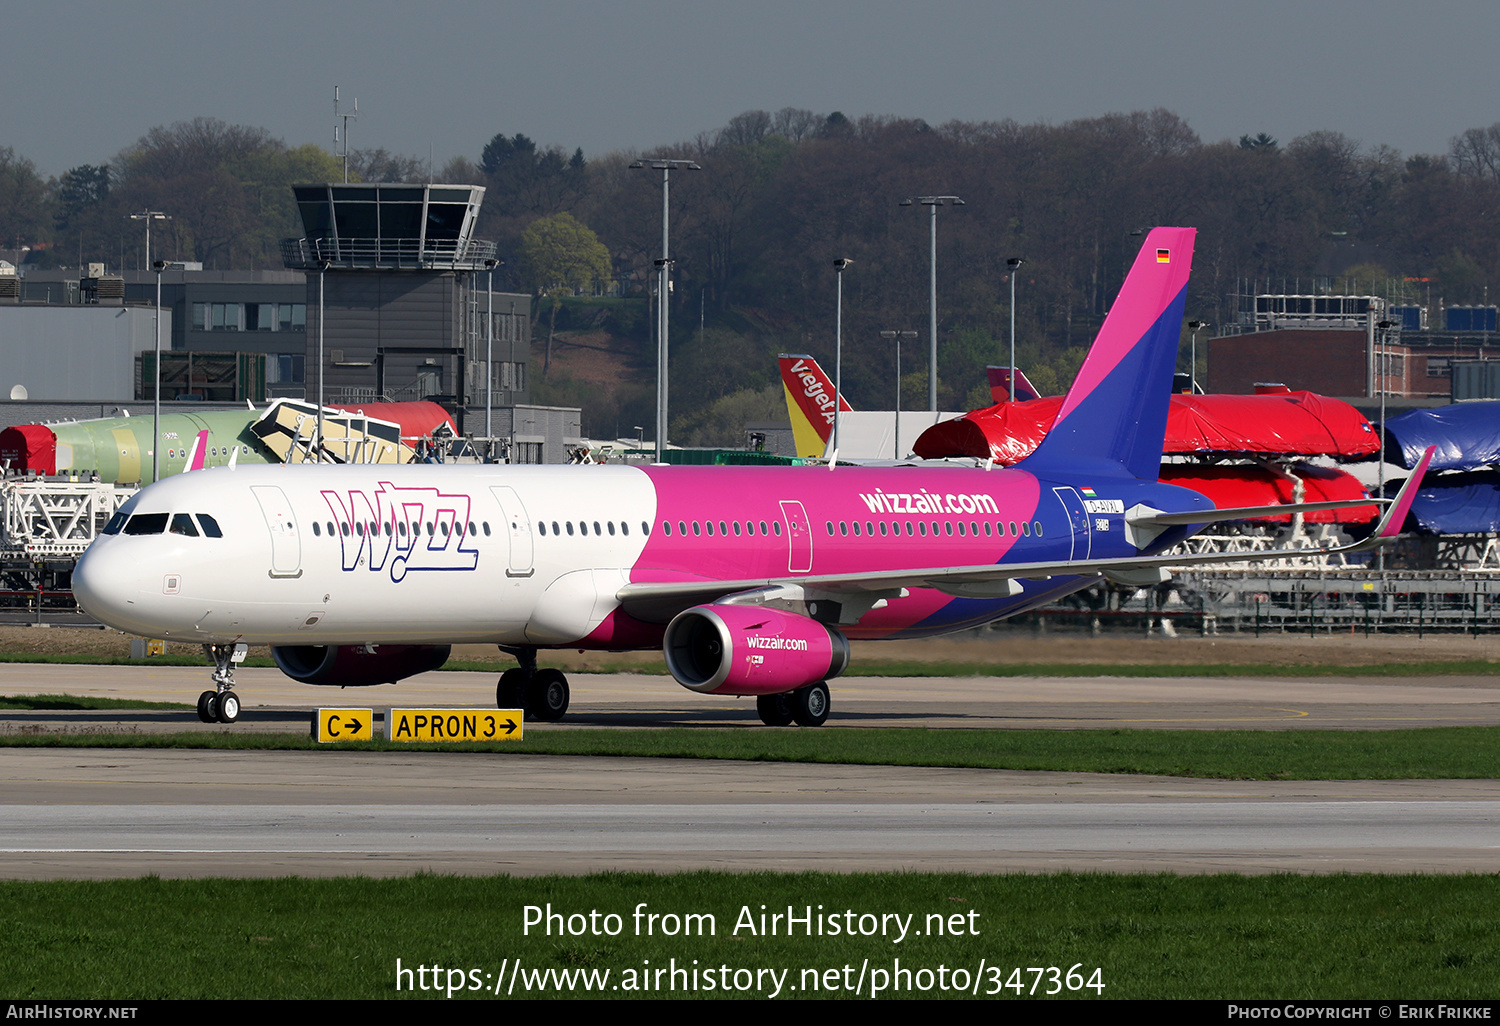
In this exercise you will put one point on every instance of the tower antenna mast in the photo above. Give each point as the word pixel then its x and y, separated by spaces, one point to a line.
pixel 347 116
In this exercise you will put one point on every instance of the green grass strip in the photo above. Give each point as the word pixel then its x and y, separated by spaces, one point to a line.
pixel 81 702
pixel 1419 754
pixel 1161 936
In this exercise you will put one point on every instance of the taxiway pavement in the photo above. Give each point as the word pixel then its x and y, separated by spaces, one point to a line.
pixel 101 813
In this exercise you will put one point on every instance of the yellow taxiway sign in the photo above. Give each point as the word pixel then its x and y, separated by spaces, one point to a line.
pixel 343 725
pixel 453 724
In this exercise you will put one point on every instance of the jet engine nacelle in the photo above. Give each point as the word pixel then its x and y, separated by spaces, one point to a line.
pixel 751 650
pixel 357 665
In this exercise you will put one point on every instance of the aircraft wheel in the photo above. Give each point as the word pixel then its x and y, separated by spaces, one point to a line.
pixel 510 693
pixel 208 707
pixel 775 710
pixel 810 705
pixel 549 696
pixel 228 707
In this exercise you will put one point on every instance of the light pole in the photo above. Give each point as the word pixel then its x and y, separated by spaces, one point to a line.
pixel 489 359
pixel 838 351
pixel 898 336
pixel 664 265
pixel 148 216
pixel 934 202
pixel 1384 327
pixel 159 267
pixel 1014 263
pixel 1195 327
pixel 323 263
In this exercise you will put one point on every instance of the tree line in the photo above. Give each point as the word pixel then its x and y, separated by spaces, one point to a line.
pixel 781 195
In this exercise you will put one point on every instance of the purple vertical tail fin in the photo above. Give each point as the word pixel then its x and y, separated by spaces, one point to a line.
pixel 1114 417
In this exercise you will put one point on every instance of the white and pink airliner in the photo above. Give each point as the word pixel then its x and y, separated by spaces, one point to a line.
pixel 751 579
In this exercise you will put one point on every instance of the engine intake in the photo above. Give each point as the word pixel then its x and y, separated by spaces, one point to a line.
pixel 357 665
pixel 751 650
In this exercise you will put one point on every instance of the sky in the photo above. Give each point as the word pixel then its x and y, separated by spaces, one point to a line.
pixel 443 77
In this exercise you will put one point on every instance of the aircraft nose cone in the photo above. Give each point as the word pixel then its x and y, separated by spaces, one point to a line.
pixel 107 586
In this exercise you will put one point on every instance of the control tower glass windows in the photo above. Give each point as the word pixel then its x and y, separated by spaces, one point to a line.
pixel 387 224
pixel 357 220
pixel 445 221
pixel 312 204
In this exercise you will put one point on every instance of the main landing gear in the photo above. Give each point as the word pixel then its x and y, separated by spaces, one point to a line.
pixel 221 705
pixel 807 707
pixel 543 694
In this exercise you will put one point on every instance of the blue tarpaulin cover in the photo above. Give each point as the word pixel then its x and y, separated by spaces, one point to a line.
pixel 1467 435
pixel 1458 503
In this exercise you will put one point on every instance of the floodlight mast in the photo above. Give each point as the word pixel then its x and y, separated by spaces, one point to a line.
pixel 1194 327
pixel 1014 263
pixel 148 216
pixel 897 336
pixel 664 269
pixel 158 267
pixel 838 358
pixel 934 202
pixel 489 359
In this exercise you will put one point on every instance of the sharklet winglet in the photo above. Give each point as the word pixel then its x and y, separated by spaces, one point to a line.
pixel 1395 514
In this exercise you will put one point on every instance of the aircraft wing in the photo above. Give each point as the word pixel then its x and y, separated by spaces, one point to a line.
pixel 658 602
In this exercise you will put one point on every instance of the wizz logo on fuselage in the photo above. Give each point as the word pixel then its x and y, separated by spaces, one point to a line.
pixel 403 528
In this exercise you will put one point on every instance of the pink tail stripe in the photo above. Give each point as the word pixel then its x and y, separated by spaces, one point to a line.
pixel 200 451
pixel 1151 286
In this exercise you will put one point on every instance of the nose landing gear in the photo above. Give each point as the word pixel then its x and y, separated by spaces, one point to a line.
pixel 222 705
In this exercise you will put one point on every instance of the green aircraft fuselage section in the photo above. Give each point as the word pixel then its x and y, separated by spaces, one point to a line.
pixel 119 448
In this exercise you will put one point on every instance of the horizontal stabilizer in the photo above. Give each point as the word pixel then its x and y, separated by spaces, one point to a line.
pixel 1155 518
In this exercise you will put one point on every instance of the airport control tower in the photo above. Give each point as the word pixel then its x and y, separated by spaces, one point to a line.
pixel 399 287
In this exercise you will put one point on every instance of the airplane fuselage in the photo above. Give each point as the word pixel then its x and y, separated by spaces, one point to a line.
pixel 535 556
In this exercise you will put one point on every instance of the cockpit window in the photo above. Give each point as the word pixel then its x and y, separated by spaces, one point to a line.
pixel 183 524
pixel 115 523
pixel 147 523
pixel 210 526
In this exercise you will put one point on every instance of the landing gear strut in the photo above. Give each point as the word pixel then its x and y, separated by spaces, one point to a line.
pixel 221 705
pixel 543 694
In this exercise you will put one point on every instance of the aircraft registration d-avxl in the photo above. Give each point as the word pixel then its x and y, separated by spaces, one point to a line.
pixel 751 579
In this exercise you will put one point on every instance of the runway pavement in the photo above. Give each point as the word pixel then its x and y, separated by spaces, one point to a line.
pixel 93 813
